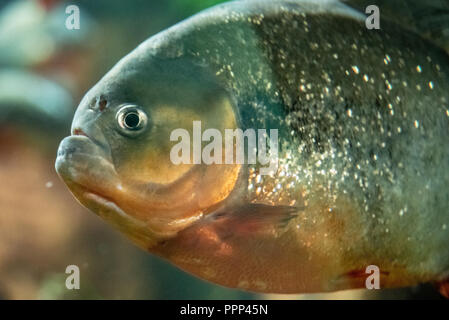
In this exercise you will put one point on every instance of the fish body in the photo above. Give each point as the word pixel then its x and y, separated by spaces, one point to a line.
pixel 363 165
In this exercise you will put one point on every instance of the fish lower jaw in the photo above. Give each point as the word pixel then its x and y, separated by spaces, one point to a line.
pixel 145 233
pixel 138 231
pixel 111 205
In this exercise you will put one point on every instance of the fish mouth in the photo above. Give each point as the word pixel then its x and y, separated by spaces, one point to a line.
pixel 95 135
pixel 85 168
pixel 79 132
pixel 78 151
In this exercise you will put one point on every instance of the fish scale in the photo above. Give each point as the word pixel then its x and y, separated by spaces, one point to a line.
pixel 355 119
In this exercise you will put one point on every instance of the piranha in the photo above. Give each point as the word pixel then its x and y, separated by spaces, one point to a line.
pixel 362 170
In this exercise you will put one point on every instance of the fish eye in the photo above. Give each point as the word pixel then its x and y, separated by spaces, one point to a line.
pixel 131 119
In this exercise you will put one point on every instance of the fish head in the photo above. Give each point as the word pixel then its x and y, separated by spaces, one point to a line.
pixel 117 161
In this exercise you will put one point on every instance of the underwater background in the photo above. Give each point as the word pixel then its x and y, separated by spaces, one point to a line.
pixel 45 69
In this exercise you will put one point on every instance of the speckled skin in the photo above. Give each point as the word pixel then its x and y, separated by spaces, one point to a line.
pixel 363 120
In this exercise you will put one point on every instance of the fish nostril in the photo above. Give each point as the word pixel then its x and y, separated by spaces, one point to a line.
pixel 102 103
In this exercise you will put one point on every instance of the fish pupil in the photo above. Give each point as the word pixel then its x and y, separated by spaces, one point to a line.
pixel 132 120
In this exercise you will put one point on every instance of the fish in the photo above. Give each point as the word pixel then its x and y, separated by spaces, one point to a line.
pixel 362 168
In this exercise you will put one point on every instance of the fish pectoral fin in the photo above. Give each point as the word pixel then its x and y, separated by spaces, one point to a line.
pixel 250 218
pixel 444 288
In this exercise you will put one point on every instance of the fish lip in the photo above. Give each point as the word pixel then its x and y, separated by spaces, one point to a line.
pixel 79 132
pixel 97 139
pixel 81 145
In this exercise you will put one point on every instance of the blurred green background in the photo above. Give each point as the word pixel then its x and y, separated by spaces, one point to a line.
pixel 45 70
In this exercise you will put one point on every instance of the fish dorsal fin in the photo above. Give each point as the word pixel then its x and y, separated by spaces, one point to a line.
pixel 429 18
